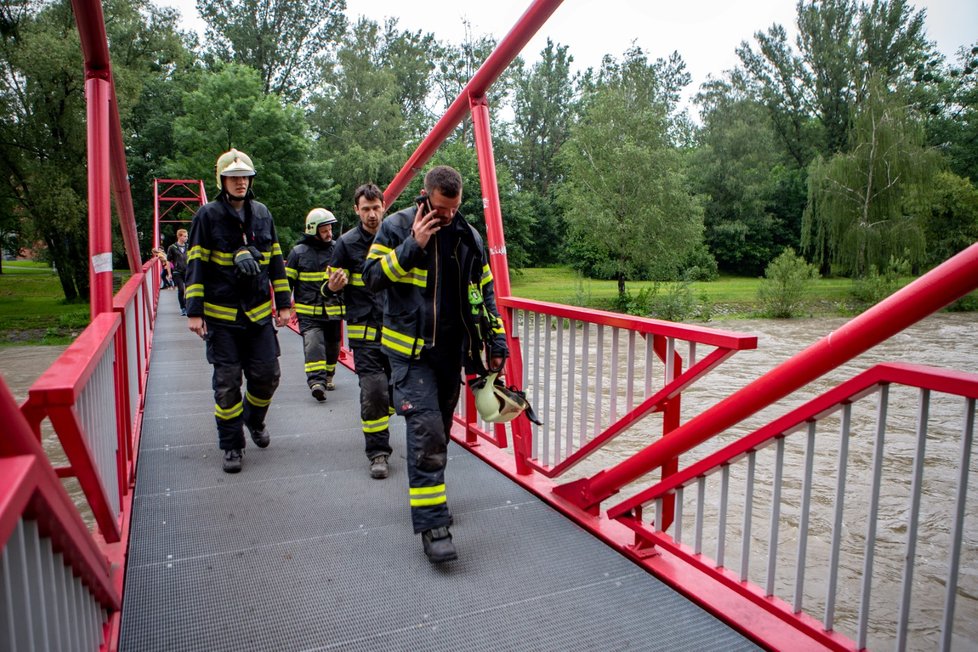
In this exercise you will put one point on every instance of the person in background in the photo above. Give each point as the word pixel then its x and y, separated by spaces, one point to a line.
pixel 319 310
pixel 234 267
pixel 432 268
pixel 165 279
pixel 364 317
pixel 176 255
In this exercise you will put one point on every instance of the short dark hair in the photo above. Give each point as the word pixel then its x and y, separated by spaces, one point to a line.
pixel 368 190
pixel 445 179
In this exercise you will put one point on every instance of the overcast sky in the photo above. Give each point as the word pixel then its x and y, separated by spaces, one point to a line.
pixel 704 32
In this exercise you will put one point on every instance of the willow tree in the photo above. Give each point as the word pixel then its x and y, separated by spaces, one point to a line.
pixel 857 215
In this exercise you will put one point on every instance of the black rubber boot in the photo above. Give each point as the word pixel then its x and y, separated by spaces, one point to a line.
pixel 319 392
pixel 260 436
pixel 438 545
pixel 379 468
pixel 232 460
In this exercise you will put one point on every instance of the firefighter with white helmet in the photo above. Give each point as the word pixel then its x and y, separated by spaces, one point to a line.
pixel 318 309
pixel 235 271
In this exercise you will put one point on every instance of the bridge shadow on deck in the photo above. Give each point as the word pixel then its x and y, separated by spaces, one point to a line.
pixel 304 551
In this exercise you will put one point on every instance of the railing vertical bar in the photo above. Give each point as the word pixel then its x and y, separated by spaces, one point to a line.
pixel 541 432
pixel 61 597
pixel 613 387
pixel 75 631
pixel 957 527
pixel 649 355
pixel 722 523
pixel 774 530
pixel 547 422
pixel 872 519
pixel 630 389
pixel 559 392
pixel 658 515
pixel 524 344
pixel 670 359
pixel 599 376
pixel 572 371
pixel 585 375
pixel 35 576
pixel 748 516
pixel 700 500
pixel 49 579
pixel 913 526
pixel 806 501
pixel 677 522
pixel 838 510
pixel 15 570
pixel 692 354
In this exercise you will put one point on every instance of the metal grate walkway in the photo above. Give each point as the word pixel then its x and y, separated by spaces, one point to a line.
pixel 304 551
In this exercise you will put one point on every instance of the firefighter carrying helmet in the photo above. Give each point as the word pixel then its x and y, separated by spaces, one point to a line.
pixel 497 403
pixel 233 163
pixel 316 218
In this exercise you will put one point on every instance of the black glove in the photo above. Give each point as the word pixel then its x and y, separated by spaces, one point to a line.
pixel 247 261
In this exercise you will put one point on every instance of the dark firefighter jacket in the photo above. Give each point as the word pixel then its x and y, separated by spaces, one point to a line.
pixel 364 309
pixel 214 290
pixel 417 308
pixel 306 269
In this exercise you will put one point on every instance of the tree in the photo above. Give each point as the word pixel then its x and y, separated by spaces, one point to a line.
pixel 626 196
pixel 856 215
pixel 42 96
pixel 953 117
pixel 282 39
pixel 230 109
pixel 738 168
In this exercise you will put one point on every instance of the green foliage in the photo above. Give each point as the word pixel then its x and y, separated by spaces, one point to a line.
pixel 228 109
pixel 786 281
pixel 671 301
pixel 948 208
pixel 699 264
pixel 874 287
pixel 856 214
pixel 282 39
pixel 626 196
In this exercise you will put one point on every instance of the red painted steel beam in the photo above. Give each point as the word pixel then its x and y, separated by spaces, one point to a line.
pixel 507 50
pixel 98 93
pixel 98 66
pixel 928 294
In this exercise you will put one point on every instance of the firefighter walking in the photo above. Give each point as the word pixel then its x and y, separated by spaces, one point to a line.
pixel 319 310
pixel 364 316
pixel 234 267
pixel 431 266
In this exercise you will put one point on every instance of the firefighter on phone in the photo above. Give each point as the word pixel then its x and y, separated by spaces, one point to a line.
pixel 234 270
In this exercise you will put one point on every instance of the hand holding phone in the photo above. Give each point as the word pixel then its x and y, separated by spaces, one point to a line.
pixel 426 222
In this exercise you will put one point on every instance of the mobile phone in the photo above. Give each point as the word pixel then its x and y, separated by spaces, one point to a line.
pixel 424 206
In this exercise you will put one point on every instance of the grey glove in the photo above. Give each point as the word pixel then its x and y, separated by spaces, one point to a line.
pixel 247 261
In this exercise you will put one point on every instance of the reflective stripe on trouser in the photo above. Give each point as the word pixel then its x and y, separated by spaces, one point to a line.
pixel 254 351
pixel 321 348
pixel 428 416
pixel 373 371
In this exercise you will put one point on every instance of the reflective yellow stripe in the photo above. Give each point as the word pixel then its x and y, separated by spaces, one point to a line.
pixel 221 258
pixel 260 312
pixel 220 312
pixel 486 275
pixel 198 253
pixel 361 332
pixel 330 269
pixel 280 285
pixel 375 425
pixel 257 402
pixel 230 413
pixel 335 311
pixel 194 291
pixel 409 346
pixel 392 268
pixel 318 365
pixel 357 280
pixel 425 496
pixel 417 277
pixel 312 276
pixel 306 309
pixel 291 273
pixel 276 250
pixel 330 368
pixel 378 251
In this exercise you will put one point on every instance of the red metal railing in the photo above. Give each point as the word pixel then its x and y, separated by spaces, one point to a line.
pixel 174 196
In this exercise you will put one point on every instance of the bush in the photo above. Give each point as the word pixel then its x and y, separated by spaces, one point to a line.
pixel 874 287
pixel 700 265
pixel 668 301
pixel 786 280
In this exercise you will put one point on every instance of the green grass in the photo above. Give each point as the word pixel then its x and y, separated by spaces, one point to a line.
pixel 33 309
pixel 737 294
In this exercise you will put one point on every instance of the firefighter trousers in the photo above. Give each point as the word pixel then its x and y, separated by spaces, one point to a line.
pixel 426 391
pixel 321 346
pixel 374 373
pixel 232 350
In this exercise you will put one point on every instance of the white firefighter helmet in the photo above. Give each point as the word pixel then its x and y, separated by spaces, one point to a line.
pixel 316 218
pixel 233 163
pixel 495 402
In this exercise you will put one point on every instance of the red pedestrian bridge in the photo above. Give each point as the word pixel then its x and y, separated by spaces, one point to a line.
pixel 623 522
